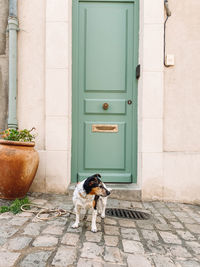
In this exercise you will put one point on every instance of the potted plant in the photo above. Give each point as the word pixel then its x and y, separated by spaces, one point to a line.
pixel 18 162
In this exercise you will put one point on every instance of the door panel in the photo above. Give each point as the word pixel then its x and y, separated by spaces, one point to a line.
pixel 104 125
pixel 103 149
pixel 105 48
pixel 115 106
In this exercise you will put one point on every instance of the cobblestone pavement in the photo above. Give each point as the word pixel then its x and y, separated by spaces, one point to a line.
pixel 171 237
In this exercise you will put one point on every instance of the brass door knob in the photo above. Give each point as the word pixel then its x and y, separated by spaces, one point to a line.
pixel 105 106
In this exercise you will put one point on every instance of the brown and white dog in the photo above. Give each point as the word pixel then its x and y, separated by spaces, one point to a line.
pixel 90 193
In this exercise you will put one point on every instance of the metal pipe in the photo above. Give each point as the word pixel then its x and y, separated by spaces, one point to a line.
pixel 13 8
pixel 12 99
pixel 168 13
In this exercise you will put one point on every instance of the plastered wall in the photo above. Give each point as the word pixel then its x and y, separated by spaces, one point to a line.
pixel 44 93
pixel 181 104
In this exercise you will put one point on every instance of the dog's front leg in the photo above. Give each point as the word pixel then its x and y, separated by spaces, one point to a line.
pixel 94 218
pixel 104 202
pixel 78 209
pixel 94 214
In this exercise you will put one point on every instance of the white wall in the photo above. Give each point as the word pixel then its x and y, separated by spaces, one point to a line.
pixel 151 88
pixel 181 104
pixel 44 94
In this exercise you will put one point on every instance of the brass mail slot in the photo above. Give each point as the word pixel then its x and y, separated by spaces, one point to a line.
pixel 104 128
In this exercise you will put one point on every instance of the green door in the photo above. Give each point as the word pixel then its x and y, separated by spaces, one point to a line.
pixel 105 51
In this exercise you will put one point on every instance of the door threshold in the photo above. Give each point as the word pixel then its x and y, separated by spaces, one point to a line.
pixel 129 192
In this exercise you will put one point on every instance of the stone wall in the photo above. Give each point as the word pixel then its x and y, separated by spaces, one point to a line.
pixel 3 63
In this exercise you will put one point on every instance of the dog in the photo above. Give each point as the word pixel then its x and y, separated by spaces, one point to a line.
pixel 90 193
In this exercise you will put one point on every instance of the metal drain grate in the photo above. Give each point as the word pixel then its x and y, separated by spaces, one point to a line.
pixel 128 214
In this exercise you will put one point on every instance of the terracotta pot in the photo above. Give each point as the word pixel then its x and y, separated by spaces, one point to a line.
pixel 18 166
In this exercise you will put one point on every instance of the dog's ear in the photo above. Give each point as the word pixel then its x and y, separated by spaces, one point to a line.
pixel 97 175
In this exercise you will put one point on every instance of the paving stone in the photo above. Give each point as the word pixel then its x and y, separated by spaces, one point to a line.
pixel 172 205
pixel 2 240
pixel 149 206
pixel 195 246
pixel 186 235
pixel 127 223
pixel 138 260
pixel 58 222
pixel 189 263
pixel 110 221
pixel 124 204
pixel 159 205
pixel 110 264
pixel 8 259
pixel 111 230
pixel 132 246
pixel 45 241
pixel 111 241
pixel 7 231
pixel 170 238
pixel 91 251
pixel 70 239
pixel 128 233
pixel 187 220
pixel 178 251
pixel 161 220
pixel 88 263
pixel 155 247
pixel 93 237
pixel 54 230
pixel 32 229
pixel 195 228
pixel 36 259
pixel 181 214
pixel 25 214
pixel 65 256
pixel 177 225
pixel 113 254
pixel 197 219
pixel 165 211
pixel 149 235
pixel 170 217
pixel 6 215
pixel 137 205
pixel 163 227
pixel 144 225
pixel 18 220
pixel 113 203
pixel 163 261
pixel 39 202
pixel 18 243
pixel 75 230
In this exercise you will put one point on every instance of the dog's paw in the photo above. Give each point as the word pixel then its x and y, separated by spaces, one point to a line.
pixel 75 225
pixel 103 215
pixel 94 229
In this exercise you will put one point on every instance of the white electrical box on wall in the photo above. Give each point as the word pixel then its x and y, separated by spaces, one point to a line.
pixel 169 60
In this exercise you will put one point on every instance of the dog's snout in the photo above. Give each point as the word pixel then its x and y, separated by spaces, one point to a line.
pixel 107 192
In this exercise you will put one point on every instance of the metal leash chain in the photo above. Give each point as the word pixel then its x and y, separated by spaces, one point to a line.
pixel 58 212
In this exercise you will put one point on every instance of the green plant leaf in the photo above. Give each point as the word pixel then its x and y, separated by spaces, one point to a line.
pixel 15 207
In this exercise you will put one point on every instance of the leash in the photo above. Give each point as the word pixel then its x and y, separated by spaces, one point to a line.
pixel 43 210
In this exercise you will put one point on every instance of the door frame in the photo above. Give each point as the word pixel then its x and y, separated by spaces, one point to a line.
pixel 75 111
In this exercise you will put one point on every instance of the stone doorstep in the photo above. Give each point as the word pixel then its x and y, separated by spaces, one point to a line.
pixel 128 192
